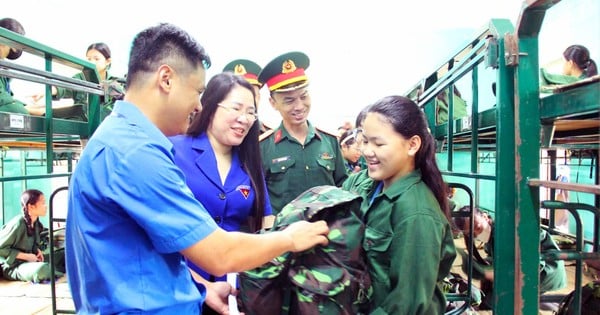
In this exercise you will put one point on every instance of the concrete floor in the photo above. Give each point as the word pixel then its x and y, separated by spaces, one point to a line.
pixel 23 298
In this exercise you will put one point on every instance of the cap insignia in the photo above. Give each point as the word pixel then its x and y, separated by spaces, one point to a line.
pixel 288 66
pixel 239 70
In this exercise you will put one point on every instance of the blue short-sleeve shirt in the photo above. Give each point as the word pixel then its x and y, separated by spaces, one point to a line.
pixel 130 213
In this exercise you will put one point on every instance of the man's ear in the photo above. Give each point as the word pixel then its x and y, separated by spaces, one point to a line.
pixel 165 76
pixel 414 144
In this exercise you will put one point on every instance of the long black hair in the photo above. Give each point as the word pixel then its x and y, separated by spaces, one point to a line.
pixel 408 120
pixel 216 91
pixel 580 55
pixel 29 197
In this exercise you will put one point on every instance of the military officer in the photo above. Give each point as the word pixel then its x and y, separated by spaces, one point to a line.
pixel 249 70
pixel 296 155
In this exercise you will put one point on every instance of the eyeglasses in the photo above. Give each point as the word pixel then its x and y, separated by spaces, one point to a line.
pixel 236 108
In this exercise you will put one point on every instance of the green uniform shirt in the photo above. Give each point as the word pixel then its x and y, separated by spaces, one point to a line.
pixel 14 239
pixel 292 167
pixel 408 242
pixel 7 101
pixel 548 81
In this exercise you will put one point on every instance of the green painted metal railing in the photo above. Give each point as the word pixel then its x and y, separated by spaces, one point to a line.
pixel 512 131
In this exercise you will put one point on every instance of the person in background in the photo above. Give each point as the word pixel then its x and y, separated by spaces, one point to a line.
pixel 218 156
pixel 7 101
pixel 249 70
pixel 346 126
pixel 408 238
pixel 350 151
pixel 296 155
pixel 552 273
pixel 100 55
pixel 442 106
pixel 576 65
pixel 132 220
pixel 21 242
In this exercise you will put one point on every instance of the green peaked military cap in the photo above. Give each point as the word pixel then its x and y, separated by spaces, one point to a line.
pixel 286 72
pixel 246 68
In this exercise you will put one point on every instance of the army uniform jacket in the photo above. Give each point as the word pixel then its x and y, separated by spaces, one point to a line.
pixel 408 242
pixel 292 167
pixel 7 101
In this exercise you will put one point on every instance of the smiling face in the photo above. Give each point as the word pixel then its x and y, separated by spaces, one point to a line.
pixel 388 154
pixel 184 98
pixel 293 106
pixel 233 117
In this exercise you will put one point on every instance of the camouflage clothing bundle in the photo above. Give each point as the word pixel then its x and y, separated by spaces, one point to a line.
pixel 330 279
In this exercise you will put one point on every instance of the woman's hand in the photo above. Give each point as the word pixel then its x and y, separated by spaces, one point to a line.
pixel 40 256
pixel 27 257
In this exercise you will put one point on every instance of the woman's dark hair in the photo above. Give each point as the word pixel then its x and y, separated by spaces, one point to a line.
pixel 13 25
pixel 361 117
pixel 101 48
pixel 29 197
pixel 164 44
pixel 581 57
pixel 217 89
pixel 408 120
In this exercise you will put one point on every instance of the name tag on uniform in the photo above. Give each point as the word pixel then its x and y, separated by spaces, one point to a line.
pixel 280 159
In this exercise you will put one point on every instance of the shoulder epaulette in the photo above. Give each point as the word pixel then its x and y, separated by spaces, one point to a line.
pixel 265 135
pixel 325 132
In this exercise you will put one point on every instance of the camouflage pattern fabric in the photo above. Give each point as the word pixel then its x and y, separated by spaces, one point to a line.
pixel 330 279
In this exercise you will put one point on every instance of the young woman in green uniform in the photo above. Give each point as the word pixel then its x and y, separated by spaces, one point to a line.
pixel 100 55
pixel 21 257
pixel 576 65
pixel 408 239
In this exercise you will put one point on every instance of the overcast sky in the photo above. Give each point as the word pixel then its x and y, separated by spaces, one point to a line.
pixel 360 51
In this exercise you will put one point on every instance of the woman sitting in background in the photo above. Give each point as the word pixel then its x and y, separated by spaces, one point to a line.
pixel 577 65
pixel 552 273
pixel 20 255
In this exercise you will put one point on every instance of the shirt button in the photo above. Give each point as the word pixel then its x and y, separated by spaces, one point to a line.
pixel 222 196
pixel 306 166
pixel 283 167
pixel 218 219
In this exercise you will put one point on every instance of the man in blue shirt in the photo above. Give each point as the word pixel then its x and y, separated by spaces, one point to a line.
pixel 131 217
